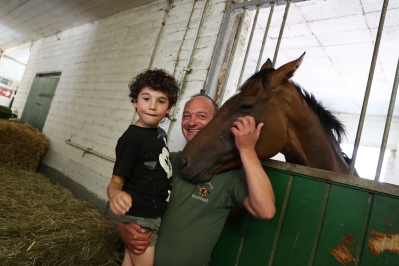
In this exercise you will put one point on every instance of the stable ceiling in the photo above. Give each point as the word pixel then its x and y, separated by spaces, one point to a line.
pixel 337 35
pixel 23 21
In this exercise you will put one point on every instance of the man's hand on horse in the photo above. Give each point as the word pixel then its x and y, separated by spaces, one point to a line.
pixel 246 133
pixel 134 238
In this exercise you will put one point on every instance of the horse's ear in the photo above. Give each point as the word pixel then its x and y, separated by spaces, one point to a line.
pixel 285 72
pixel 267 64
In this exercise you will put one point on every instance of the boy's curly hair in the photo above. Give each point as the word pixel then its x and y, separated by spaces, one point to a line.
pixel 158 79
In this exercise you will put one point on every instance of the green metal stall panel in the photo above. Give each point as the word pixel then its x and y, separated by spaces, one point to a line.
pixel 382 242
pixel 259 234
pixel 39 100
pixel 261 238
pixel 342 226
pixel 301 223
pixel 322 218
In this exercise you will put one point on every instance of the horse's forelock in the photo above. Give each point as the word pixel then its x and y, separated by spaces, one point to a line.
pixel 328 120
pixel 263 73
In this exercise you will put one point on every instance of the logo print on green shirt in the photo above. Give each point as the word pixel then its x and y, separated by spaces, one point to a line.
pixel 202 190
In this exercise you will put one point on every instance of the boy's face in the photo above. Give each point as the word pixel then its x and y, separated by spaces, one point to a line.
pixel 151 106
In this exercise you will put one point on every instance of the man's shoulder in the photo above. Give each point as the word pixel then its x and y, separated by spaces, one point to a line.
pixel 174 157
pixel 228 179
pixel 236 172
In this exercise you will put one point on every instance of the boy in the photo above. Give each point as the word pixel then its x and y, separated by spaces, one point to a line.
pixel 140 185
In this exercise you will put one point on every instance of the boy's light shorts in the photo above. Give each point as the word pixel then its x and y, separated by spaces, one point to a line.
pixel 148 224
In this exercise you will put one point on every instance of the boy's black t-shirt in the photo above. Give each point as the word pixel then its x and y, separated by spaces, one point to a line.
pixel 142 157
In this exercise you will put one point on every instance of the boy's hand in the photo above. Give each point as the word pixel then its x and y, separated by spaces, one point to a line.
pixel 120 203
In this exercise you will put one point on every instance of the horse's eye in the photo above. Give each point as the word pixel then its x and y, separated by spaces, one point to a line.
pixel 246 107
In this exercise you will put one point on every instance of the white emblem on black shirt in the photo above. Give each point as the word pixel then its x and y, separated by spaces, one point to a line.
pixel 165 163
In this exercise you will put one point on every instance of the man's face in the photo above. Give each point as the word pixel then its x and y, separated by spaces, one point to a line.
pixel 197 114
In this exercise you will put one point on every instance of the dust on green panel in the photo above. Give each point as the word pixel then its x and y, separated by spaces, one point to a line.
pixel 300 228
pixel 260 236
pixel 227 248
pixel 382 242
pixel 342 227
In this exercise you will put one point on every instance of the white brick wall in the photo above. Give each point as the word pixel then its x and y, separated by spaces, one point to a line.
pixel 11 69
pixel 91 106
pixel 372 134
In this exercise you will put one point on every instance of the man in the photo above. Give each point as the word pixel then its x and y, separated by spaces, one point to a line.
pixel 197 212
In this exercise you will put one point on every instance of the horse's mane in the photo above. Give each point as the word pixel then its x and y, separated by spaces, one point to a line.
pixel 330 123
pixel 328 120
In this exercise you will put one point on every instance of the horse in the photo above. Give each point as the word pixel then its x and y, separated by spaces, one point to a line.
pixel 295 124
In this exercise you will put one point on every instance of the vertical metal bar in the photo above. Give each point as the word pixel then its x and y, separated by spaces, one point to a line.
pixel 187 69
pixel 160 33
pixel 287 8
pixel 184 37
pixel 156 46
pixel 248 46
pixel 1 56
pixel 366 221
pixel 233 51
pixel 242 240
pixel 387 123
pixel 281 220
pixel 218 54
pixel 368 87
pixel 319 226
pixel 265 36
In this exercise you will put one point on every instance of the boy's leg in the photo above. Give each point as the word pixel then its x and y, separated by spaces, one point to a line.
pixel 145 259
pixel 127 259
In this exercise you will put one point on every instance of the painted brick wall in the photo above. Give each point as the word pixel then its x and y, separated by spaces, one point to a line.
pixel 91 106
pixel 11 69
pixel 97 60
pixel 372 134
pixel 373 130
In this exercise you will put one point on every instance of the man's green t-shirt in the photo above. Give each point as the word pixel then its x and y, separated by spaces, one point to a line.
pixel 196 215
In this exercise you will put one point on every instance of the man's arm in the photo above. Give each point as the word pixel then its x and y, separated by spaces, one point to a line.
pixel 260 201
pixel 134 238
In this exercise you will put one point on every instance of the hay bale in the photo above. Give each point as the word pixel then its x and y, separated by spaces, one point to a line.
pixel 43 224
pixel 21 144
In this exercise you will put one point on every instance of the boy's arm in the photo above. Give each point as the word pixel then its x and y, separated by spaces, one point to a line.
pixel 120 201
pixel 260 201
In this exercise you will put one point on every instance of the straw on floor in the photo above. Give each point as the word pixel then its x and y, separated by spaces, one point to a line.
pixel 21 144
pixel 43 224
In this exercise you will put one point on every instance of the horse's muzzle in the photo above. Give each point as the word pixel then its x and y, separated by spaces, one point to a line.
pixel 190 173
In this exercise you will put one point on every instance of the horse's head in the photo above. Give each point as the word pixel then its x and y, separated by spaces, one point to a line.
pixel 265 96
